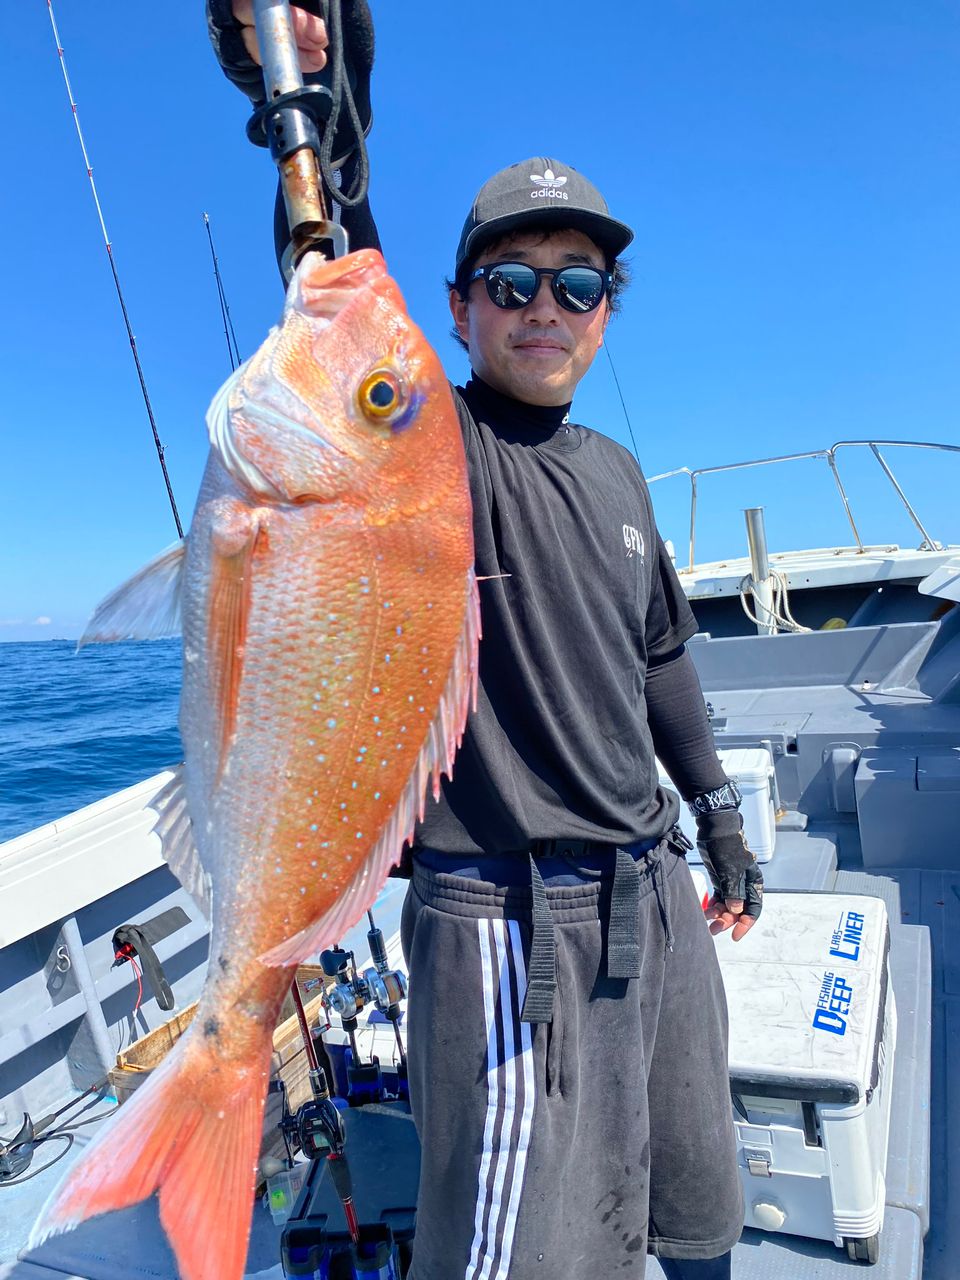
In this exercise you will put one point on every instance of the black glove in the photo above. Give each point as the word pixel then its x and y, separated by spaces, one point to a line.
pixel 731 865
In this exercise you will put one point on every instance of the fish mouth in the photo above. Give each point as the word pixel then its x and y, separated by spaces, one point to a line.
pixel 322 287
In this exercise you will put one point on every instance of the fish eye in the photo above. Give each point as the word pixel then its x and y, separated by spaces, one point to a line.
pixel 380 395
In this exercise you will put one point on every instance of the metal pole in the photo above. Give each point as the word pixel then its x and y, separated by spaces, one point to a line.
pixel 927 540
pixel 693 516
pixel 757 542
pixel 843 497
pixel 292 135
pixel 761 580
pixel 299 175
pixel 96 1022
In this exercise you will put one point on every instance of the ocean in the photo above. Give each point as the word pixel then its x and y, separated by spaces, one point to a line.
pixel 75 727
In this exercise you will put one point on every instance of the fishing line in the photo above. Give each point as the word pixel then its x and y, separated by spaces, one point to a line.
pixel 232 349
pixel 116 278
pixel 636 452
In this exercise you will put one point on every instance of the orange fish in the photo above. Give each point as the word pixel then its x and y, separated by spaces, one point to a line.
pixel 330 627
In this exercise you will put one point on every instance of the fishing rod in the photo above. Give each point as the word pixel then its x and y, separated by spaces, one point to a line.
pixel 233 350
pixel 623 403
pixel 116 277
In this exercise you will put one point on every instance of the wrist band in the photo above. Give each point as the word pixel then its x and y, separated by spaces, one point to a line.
pixel 726 797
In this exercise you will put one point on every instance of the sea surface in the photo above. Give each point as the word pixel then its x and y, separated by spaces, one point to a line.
pixel 75 727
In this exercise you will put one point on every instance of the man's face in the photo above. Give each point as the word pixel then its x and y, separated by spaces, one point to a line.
pixel 538 353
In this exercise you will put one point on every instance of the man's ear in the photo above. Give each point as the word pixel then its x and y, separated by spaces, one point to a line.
pixel 458 309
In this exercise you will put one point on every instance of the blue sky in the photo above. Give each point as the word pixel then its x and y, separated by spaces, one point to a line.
pixel 791 171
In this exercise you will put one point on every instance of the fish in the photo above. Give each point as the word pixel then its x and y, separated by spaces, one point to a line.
pixel 330 619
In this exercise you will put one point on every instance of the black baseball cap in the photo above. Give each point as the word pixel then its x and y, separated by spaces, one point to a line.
pixel 540 191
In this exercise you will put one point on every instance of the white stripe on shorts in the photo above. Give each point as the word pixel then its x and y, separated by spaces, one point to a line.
pixel 500 1185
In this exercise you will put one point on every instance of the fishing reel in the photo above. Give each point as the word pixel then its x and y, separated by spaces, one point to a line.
pixel 383 988
pixel 380 986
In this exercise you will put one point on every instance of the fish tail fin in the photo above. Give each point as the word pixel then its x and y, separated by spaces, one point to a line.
pixel 201 1158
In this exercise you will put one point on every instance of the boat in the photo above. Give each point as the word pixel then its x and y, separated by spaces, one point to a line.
pixel 838 665
pixel 860 725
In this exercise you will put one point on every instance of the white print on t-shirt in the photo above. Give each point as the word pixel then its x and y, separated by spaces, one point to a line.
pixel 633 540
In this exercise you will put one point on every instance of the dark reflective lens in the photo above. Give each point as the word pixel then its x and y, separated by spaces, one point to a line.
pixel 579 288
pixel 513 284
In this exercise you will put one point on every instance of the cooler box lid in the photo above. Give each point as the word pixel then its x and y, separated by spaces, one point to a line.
pixel 751 766
pixel 806 993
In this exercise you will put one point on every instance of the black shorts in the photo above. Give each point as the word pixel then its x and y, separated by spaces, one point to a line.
pixel 574 1147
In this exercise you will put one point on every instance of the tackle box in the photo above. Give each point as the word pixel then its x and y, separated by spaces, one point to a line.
pixel 812 1037
pixel 752 770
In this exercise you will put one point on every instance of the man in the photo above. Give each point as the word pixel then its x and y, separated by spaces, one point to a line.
pixel 567 1027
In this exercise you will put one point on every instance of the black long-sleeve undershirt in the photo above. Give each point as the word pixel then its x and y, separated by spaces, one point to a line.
pixel 677 716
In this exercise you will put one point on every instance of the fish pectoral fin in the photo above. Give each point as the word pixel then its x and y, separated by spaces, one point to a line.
pixel 145 607
pixel 180 852
pixel 237 530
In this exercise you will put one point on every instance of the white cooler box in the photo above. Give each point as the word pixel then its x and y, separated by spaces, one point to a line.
pixel 812 1035
pixel 752 770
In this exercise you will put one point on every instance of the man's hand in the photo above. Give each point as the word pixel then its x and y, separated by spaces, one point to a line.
pixel 309 31
pixel 737 880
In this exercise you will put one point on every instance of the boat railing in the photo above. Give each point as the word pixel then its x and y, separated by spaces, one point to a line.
pixel 830 457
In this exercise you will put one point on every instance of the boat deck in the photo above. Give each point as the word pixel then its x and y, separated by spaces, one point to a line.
pixel 130 1245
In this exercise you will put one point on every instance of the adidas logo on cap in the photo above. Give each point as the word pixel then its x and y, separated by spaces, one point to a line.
pixel 550 186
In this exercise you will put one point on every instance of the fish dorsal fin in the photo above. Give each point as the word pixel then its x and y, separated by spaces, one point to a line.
pixel 145 607
pixel 434 759
pixel 180 851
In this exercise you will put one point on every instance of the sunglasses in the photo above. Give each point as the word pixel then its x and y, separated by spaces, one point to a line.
pixel 513 285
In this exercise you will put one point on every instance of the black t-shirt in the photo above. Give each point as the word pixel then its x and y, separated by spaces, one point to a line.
pixel 559 744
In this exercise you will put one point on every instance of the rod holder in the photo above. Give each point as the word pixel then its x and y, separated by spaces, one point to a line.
pixel 761 580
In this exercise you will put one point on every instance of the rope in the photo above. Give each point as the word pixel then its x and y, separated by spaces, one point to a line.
pixel 342 94
pixel 779 615
pixel 116 278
